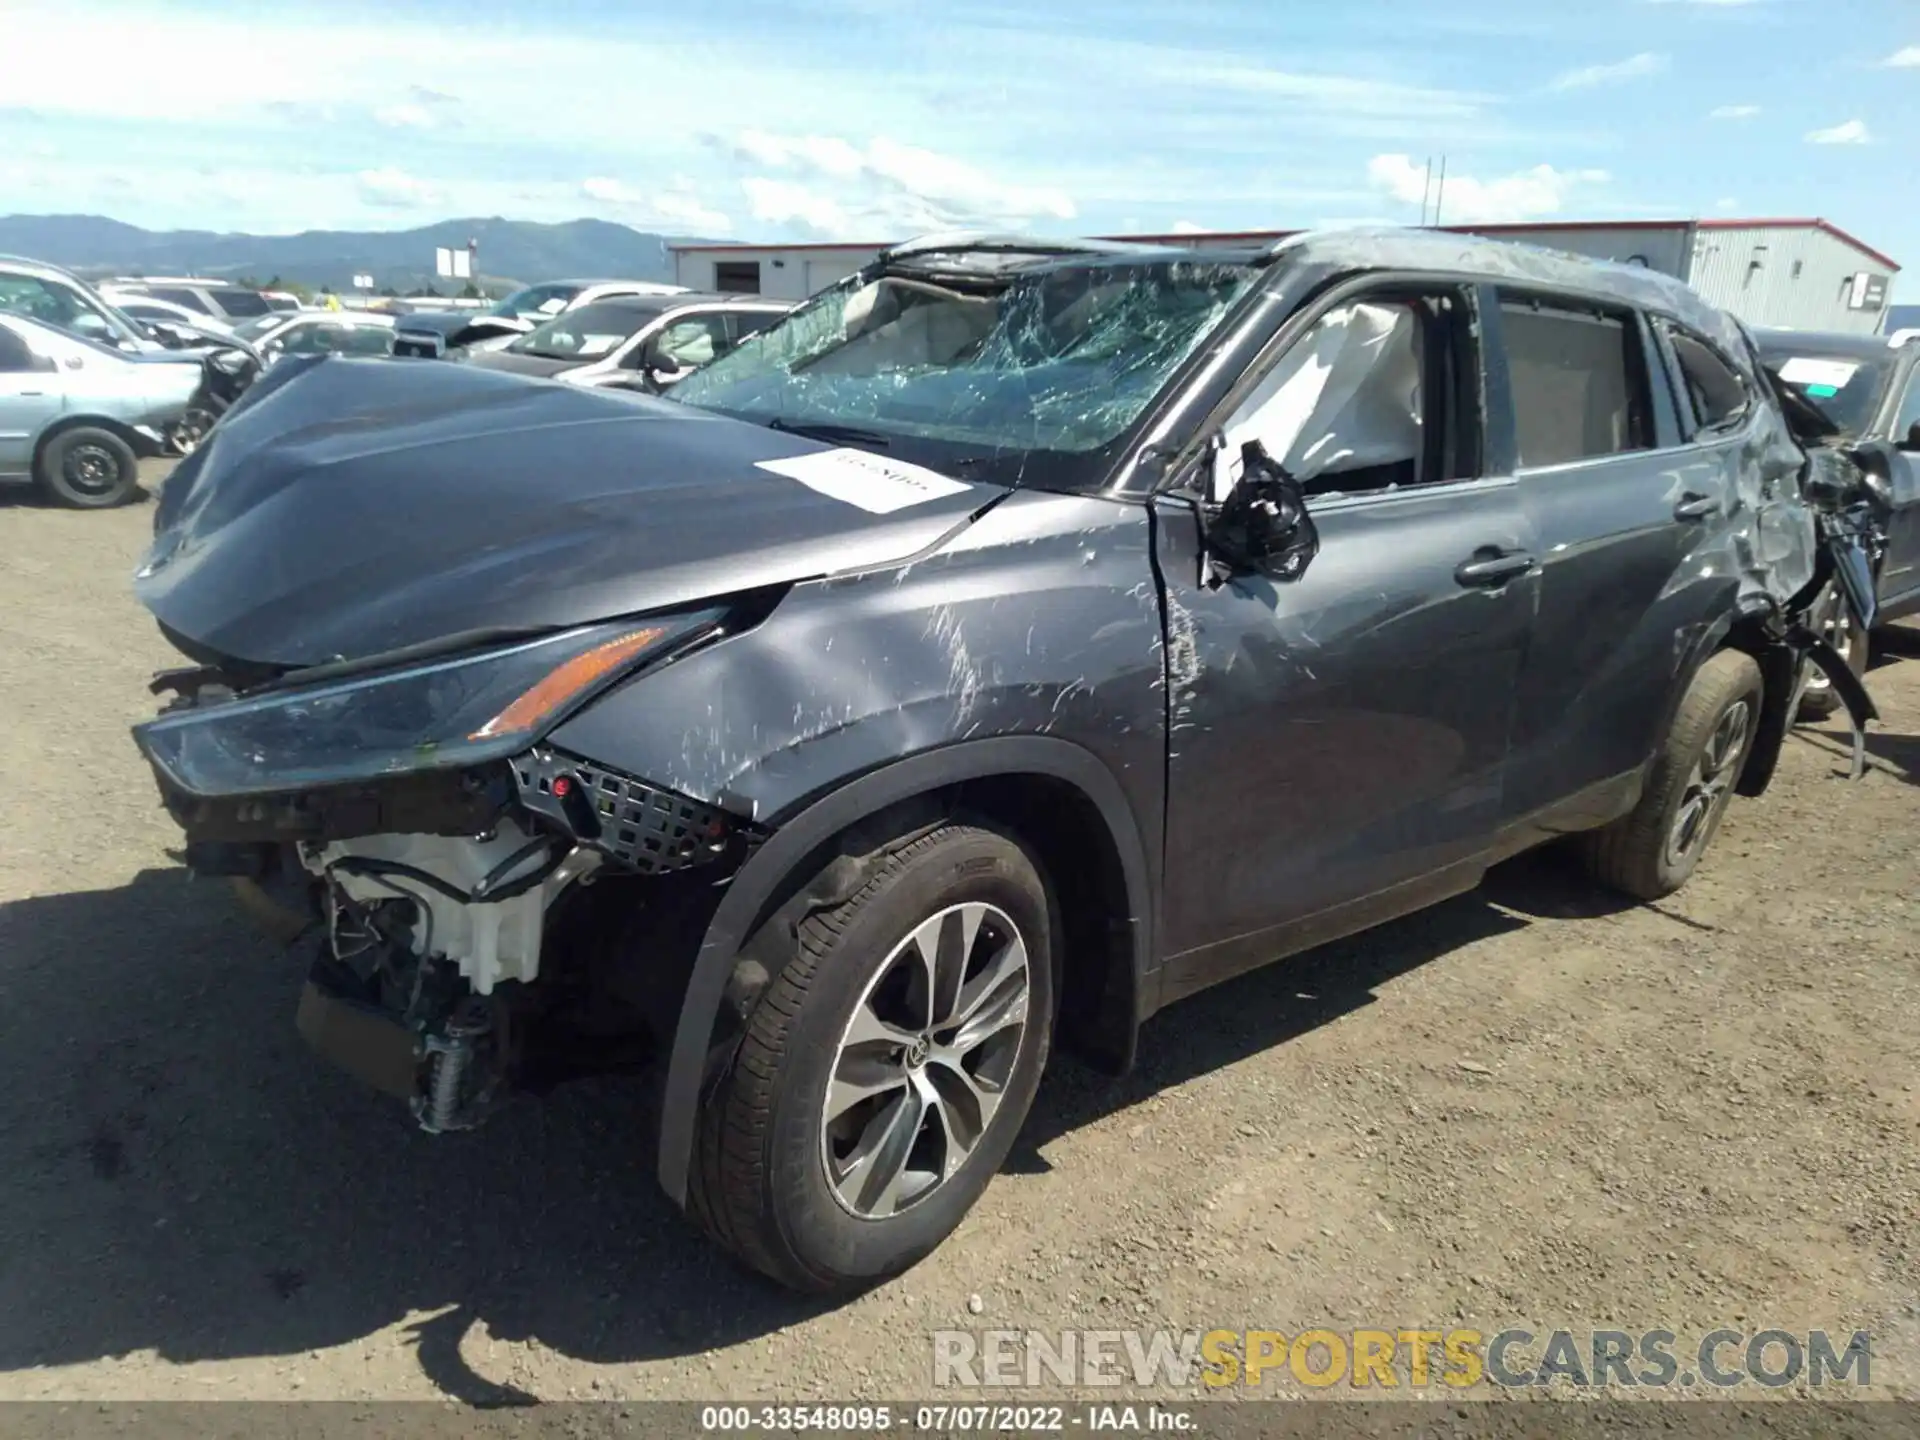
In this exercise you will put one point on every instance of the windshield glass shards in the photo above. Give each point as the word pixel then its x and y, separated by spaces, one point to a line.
pixel 1845 389
pixel 1028 375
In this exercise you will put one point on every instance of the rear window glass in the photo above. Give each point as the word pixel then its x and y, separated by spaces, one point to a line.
pixel 1579 391
pixel 1714 388
pixel 242 302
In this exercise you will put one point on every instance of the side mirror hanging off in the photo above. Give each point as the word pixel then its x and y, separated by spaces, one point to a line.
pixel 1262 525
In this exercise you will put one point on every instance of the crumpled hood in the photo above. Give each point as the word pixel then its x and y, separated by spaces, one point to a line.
pixel 345 508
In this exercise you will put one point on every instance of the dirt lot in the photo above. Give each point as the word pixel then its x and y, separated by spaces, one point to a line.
pixel 1531 1106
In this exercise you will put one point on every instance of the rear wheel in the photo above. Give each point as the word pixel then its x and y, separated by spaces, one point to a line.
pixel 87 468
pixel 886 1070
pixel 1652 851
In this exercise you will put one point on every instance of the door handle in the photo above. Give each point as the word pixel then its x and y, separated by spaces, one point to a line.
pixel 1696 507
pixel 1490 570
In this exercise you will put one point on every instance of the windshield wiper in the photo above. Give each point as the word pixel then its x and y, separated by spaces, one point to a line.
pixel 833 434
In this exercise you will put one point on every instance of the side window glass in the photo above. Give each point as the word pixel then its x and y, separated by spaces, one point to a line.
pixel 183 297
pixel 693 341
pixel 301 340
pixel 1579 385
pixel 1718 395
pixel 1360 402
pixel 369 340
pixel 1906 424
pixel 749 322
pixel 15 357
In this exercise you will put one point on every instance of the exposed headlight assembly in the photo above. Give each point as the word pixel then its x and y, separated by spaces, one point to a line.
pixel 462 711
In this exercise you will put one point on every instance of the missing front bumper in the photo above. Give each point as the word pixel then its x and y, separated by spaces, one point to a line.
pixel 369 1044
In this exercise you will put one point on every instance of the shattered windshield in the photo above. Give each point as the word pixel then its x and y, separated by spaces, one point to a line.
pixel 1051 363
pixel 584 334
pixel 1846 389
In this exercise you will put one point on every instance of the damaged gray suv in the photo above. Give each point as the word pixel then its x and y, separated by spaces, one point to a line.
pixel 1020 636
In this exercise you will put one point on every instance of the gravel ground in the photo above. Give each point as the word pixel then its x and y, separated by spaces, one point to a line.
pixel 1533 1105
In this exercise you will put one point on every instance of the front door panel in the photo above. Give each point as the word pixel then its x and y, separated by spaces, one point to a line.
pixel 1339 735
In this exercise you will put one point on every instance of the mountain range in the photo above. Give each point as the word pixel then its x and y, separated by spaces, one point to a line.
pixel 508 252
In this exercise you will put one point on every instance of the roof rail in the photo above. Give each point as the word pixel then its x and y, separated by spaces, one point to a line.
pixel 990 240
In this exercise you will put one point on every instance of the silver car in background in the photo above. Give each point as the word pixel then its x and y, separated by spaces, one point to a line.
pixel 77 417
pixel 635 341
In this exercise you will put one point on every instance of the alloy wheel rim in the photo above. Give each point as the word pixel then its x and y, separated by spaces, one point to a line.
pixel 1710 783
pixel 924 1060
pixel 91 469
pixel 1834 623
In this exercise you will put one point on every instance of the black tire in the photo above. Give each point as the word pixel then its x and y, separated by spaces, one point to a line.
pixel 1640 854
pixel 87 468
pixel 1832 614
pixel 760 1184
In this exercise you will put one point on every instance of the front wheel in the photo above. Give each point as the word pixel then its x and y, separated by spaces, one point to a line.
pixel 1651 852
pixel 1833 620
pixel 86 468
pixel 886 1069
pixel 192 429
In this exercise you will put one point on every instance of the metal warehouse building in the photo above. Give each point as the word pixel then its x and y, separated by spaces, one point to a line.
pixel 1797 274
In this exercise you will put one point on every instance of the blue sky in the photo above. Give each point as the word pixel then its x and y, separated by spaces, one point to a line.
pixel 869 119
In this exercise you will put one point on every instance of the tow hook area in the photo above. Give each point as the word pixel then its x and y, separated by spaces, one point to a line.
pixel 452 1101
pixel 448 1064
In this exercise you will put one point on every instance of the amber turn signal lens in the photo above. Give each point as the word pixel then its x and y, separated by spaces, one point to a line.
pixel 564 682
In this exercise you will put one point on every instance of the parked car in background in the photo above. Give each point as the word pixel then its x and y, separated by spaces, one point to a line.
pixel 430 334
pixel 220 299
pixel 280 300
pixel 77 417
pixel 1861 394
pixel 652 340
pixel 52 296
pixel 151 311
pixel 321 332
pixel 1016 638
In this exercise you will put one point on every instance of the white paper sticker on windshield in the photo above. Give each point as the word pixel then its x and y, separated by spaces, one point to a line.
pixel 872 482
pixel 1805 370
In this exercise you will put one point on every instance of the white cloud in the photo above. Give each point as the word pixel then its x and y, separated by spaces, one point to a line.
pixel 1524 195
pixel 420 109
pixel 611 192
pixel 1733 112
pixel 395 189
pixel 1852 132
pixel 787 202
pixel 1634 67
pixel 1906 59
pixel 1187 227
pixel 1726 203
pixel 676 208
pixel 839 190
pixel 683 208
pixel 1350 95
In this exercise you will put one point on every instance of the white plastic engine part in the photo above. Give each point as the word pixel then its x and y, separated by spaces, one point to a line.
pixel 490 941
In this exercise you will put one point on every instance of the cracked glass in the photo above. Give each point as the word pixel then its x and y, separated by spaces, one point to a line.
pixel 1025 374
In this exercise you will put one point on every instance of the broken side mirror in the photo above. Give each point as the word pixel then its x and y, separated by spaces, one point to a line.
pixel 1261 524
pixel 660 369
